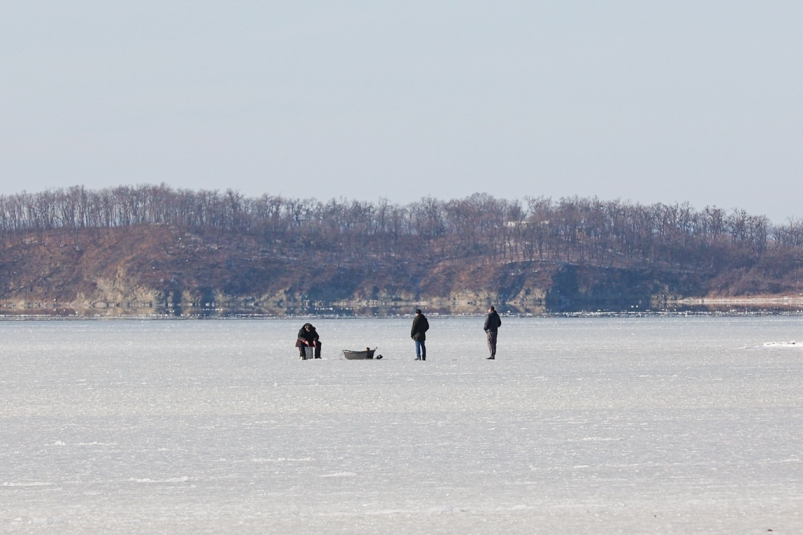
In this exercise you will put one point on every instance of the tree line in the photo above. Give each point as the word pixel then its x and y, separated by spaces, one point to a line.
pixel 476 228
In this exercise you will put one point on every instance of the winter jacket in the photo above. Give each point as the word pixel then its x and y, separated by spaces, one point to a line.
pixel 420 327
pixel 308 336
pixel 492 322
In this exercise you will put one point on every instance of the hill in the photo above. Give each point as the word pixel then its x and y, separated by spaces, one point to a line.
pixel 154 250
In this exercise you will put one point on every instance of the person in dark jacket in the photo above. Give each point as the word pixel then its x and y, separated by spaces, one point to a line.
pixel 308 337
pixel 418 333
pixel 491 327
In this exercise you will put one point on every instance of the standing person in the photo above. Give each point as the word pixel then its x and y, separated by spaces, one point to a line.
pixel 492 324
pixel 308 337
pixel 418 333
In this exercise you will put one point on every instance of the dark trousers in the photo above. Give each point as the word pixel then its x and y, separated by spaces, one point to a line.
pixel 302 347
pixel 492 342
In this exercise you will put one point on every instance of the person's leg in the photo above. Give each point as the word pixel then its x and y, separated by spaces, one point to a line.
pixel 417 350
pixel 318 349
pixel 492 343
pixel 301 347
pixel 423 350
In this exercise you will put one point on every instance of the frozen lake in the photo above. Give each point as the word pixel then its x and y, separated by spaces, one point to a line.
pixel 582 425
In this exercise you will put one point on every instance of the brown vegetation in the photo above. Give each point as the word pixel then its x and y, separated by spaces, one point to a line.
pixel 152 249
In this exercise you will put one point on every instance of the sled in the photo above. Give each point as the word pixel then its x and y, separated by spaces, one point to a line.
pixel 365 354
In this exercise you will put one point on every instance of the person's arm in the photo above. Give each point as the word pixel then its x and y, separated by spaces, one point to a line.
pixel 302 337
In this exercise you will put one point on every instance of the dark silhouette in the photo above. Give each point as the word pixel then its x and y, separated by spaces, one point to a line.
pixel 491 328
pixel 308 337
pixel 418 333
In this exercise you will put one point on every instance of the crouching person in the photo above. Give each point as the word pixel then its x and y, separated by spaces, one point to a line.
pixel 308 337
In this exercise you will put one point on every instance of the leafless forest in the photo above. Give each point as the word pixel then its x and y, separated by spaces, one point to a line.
pixel 584 231
pixel 78 249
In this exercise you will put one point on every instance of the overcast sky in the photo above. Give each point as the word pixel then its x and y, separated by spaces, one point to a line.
pixel 698 101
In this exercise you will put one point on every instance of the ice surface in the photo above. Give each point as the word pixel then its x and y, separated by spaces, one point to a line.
pixel 582 425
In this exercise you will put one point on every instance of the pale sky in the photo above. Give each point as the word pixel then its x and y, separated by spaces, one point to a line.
pixel 646 101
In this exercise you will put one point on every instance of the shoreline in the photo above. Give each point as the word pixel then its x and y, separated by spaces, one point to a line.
pixel 740 308
pixel 763 300
pixel 688 306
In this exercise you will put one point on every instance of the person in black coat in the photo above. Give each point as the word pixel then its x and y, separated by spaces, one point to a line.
pixel 308 337
pixel 491 327
pixel 418 333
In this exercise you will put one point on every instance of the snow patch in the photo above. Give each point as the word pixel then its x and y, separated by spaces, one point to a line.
pixel 447 509
pixel 168 480
pixel 791 343
pixel 283 460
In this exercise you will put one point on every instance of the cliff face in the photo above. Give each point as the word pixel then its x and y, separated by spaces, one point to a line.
pixel 157 269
